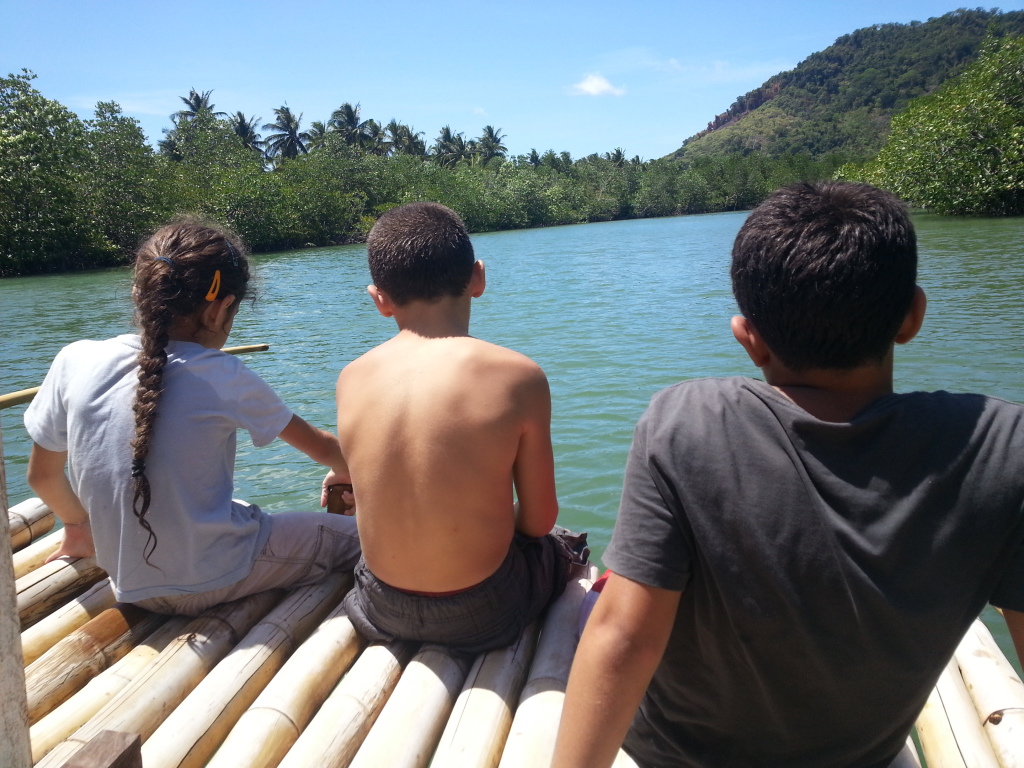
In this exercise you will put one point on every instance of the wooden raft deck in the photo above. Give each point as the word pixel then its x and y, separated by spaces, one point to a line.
pixel 282 679
pixel 279 678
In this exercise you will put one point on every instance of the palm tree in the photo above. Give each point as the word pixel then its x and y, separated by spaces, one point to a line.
pixel 534 158
pixel 404 141
pixel 289 142
pixel 450 147
pixel 490 145
pixel 374 140
pixel 245 129
pixel 345 120
pixel 317 134
pixel 617 158
pixel 168 146
pixel 195 103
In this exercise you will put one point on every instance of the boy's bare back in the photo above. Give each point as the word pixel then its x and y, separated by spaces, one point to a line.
pixel 435 431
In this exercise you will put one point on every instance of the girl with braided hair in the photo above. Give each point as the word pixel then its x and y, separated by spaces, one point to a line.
pixel 145 426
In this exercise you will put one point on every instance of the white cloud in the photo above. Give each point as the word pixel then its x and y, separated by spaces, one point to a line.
pixel 480 111
pixel 596 85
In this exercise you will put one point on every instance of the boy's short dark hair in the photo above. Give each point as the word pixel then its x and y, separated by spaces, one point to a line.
pixel 420 251
pixel 826 273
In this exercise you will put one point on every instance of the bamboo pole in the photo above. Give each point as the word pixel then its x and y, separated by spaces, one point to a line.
pixel 192 732
pixel 531 740
pixel 34 555
pixel 411 722
pixel 25 395
pixel 145 702
pixel 83 654
pixel 28 521
pixel 14 748
pixel 54 583
pixel 997 693
pixel 76 711
pixel 268 729
pixel 40 637
pixel 948 727
pixel 337 730
pixel 109 749
pixel 476 731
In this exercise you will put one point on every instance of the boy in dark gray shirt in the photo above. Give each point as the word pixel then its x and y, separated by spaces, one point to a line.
pixel 795 560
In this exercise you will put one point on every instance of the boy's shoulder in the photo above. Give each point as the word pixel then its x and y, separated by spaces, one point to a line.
pixel 455 351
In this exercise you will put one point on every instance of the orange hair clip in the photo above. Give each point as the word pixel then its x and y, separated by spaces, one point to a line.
pixel 214 287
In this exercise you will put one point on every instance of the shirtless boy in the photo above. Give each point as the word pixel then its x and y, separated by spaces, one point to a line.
pixel 436 427
pixel 796 559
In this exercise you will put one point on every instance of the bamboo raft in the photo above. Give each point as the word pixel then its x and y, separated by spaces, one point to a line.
pixel 283 679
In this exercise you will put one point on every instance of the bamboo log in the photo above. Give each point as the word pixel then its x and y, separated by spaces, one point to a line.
pixel 39 638
pixel 191 733
pixel 411 722
pixel 531 740
pixel 28 521
pixel 34 555
pixel 109 749
pixel 269 728
pixel 76 711
pixel 476 731
pixel 948 727
pixel 52 584
pixel 145 702
pixel 11 399
pixel 83 654
pixel 339 727
pixel 14 749
pixel 997 693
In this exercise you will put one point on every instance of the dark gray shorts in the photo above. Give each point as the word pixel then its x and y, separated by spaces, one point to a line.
pixel 490 615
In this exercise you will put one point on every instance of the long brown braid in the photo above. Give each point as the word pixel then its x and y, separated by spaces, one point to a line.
pixel 176 270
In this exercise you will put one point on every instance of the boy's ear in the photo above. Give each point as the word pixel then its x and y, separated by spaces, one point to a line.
pixel 915 317
pixel 381 300
pixel 478 280
pixel 748 337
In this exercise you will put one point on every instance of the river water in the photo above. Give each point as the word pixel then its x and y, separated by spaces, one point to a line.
pixel 613 312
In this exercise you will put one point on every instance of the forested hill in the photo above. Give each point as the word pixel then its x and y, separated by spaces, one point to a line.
pixel 840 100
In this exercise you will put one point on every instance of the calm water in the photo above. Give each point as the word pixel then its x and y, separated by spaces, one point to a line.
pixel 613 312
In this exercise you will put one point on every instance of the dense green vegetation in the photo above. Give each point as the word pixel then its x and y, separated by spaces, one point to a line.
pixel 960 150
pixel 840 100
pixel 75 194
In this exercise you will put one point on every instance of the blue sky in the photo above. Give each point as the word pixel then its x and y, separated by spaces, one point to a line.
pixel 578 76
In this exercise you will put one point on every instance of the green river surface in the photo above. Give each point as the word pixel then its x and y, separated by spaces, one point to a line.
pixel 613 312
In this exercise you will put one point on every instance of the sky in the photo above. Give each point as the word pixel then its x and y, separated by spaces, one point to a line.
pixel 571 76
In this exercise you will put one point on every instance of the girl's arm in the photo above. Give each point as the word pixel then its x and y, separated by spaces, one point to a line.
pixel 322 447
pixel 46 477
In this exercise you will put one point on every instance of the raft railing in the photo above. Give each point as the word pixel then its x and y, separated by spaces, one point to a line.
pixel 238 671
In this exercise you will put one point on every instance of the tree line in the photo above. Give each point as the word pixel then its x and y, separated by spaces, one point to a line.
pixel 960 150
pixel 78 193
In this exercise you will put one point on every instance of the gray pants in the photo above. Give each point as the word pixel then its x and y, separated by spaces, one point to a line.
pixel 303 547
pixel 490 615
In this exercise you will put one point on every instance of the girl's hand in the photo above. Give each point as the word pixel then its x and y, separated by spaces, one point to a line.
pixel 77 543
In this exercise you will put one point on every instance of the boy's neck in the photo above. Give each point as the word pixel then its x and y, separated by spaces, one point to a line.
pixel 445 317
pixel 830 394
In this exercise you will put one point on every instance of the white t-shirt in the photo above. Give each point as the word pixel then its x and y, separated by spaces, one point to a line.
pixel 205 540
